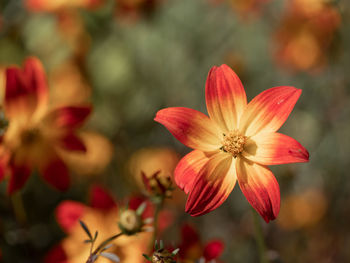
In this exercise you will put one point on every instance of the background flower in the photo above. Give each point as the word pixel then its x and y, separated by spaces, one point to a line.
pixel 129 67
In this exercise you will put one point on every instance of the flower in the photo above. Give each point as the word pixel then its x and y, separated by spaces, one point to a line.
pixel 37 133
pixel 102 215
pixel 303 210
pixel 235 142
pixel 305 35
pixel 54 5
pixel 151 168
pixel 99 152
pixel 161 254
pixel 193 250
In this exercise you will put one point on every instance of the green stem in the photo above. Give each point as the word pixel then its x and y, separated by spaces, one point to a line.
pixel 159 207
pixel 259 238
pixel 18 207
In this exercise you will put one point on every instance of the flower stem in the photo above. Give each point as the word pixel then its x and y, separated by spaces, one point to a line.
pixel 18 207
pixel 159 207
pixel 259 238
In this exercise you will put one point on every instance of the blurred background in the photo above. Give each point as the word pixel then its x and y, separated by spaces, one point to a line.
pixel 131 58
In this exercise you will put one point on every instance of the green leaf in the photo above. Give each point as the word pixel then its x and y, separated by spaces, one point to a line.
pixel 147 257
pixel 175 251
pixel 86 229
pixel 95 237
pixel 141 208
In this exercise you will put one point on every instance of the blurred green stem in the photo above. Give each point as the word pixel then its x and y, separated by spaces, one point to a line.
pixel 18 207
pixel 259 238
pixel 159 207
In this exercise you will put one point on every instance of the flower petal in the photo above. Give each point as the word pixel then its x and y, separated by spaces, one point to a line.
pixel 274 148
pixel 19 176
pixel 56 254
pixel 55 172
pixel 68 214
pixel 70 117
pixel 187 170
pixel 212 186
pixel 190 241
pixel 2 169
pixel 225 97
pixel 269 110
pixel 71 142
pixel 193 128
pixel 101 199
pixel 26 90
pixel 260 187
pixel 213 250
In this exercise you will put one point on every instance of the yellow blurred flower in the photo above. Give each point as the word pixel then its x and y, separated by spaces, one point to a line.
pixel 151 160
pixel 302 210
pixel 68 85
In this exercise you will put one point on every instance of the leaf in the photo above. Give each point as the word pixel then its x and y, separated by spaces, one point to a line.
pixel 104 243
pixel 147 257
pixel 175 251
pixel 141 208
pixel 110 256
pixel 107 247
pixel 86 229
pixel 95 237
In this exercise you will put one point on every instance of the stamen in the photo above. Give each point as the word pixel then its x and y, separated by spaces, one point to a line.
pixel 233 143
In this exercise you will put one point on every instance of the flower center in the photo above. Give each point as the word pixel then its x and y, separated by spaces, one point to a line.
pixel 233 143
pixel 30 137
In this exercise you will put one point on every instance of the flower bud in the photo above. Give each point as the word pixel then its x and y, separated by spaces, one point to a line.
pixel 130 222
pixel 163 256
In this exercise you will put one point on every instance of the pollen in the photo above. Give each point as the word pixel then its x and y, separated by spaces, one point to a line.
pixel 233 143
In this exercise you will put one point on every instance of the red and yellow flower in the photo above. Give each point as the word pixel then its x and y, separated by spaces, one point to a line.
pixel 102 215
pixel 236 142
pixel 37 134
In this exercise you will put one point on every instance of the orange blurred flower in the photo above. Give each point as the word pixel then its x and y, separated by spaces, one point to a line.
pixel 101 215
pixel 302 210
pixel 236 142
pixel 305 35
pixel 36 132
pixel 193 250
pixel 2 85
pixel 245 8
pixel 58 5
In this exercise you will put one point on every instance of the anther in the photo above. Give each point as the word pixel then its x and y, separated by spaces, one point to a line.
pixel 233 143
